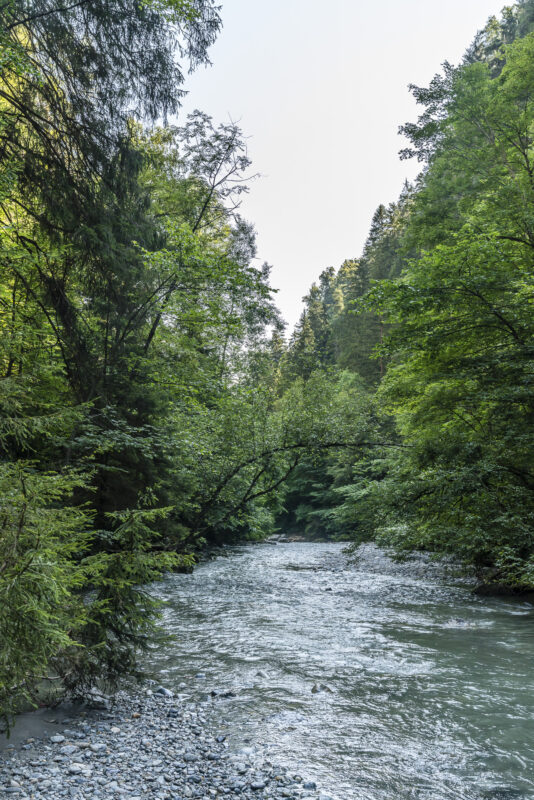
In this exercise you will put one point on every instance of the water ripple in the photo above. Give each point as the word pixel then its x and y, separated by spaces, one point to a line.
pixel 381 681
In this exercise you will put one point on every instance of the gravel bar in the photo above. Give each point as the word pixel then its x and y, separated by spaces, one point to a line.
pixel 143 746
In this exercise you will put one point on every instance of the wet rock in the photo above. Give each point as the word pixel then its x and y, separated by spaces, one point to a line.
pixel 68 749
pixel 321 687
pixel 97 702
pixel 164 691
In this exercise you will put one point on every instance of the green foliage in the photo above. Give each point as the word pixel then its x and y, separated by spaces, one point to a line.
pixel 441 300
pixel 460 391
pixel 461 342
pixel 342 404
pixel 143 411
pixel 120 612
pixel 68 613
pixel 73 609
pixel 82 424
pixel 42 540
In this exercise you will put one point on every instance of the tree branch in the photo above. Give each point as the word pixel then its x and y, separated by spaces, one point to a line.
pixel 50 11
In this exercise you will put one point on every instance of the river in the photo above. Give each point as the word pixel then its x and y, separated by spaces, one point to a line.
pixel 429 689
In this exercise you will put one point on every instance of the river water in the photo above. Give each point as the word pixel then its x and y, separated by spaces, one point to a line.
pixel 430 690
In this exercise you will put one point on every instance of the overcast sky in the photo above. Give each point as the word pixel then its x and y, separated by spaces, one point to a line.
pixel 321 89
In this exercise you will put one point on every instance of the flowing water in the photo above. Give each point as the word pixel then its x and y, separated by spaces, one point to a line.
pixel 429 689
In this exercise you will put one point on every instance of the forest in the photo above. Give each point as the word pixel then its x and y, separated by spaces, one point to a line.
pixel 152 405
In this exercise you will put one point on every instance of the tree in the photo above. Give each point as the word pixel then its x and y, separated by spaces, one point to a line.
pixel 442 298
pixel 460 393
pixel 77 414
pixel 461 341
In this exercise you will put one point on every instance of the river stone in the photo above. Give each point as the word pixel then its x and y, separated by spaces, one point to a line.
pixel 164 691
pixel 321 687
pixel 158 757
pixel 98 702
pixel 68 749
pixel 57 738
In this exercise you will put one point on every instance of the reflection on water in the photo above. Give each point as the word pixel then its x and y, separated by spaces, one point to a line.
pixel 380 681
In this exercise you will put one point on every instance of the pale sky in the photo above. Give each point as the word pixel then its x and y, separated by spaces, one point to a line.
pixel 320 89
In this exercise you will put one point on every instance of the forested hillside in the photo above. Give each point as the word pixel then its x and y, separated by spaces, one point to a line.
pixel 435 320
pixel 150 405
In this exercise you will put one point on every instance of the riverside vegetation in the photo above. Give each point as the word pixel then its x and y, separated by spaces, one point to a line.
pixel 150 405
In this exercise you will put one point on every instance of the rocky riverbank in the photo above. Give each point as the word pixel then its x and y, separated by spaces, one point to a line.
pixel 144 746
